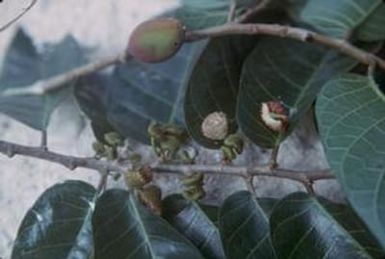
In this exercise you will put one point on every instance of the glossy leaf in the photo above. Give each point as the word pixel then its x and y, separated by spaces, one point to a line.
pixel 91 93
pixel 25 65
pixel 214 84
pixel 287 71
pixel 215 80
pixel 337 18
pixel 302 228
pixel 351 119
pixel 190 220
pixel 199 14
pixel 124 228
pixel 373 29
pixel 352 223
pixel 244 227
pixel 59 224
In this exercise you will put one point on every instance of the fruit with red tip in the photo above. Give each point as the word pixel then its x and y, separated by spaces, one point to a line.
pixel 156 40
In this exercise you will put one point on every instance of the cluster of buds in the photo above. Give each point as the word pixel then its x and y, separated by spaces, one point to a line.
pixel 151 197
pixel 139 177
pixel 166 139
pixel 193 185
pixel 232 147
pixel 108 148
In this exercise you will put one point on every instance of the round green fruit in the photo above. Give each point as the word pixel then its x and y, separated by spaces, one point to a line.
pixel 156 40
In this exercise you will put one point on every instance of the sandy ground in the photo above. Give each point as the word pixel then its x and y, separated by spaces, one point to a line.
pixel 105 26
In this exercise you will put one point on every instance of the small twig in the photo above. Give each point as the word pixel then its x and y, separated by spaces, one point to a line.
pixel 57 82
pixel 71 162
pixel 8 24
pixel 273 163
pixel 232 11
pixel 250 185
pixel 252 11
pixel 102 182
pixel 288 32
pixel 44 138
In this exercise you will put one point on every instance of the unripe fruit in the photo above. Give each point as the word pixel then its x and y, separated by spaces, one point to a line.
pixel 156 40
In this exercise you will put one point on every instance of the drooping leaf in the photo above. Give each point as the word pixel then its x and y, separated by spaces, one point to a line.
pixel 302 228
pixel 59 224
pixel 336 18
pixel 124 228
pixel 214 82
pixel 351 118
pixel 24 65
pixel 190 220
pixel 373 29
pixel 91 93
pixel 287 71
pixel 351 222
pixel 244 227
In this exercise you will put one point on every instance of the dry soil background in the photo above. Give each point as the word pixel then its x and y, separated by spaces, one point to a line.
pixel 105 26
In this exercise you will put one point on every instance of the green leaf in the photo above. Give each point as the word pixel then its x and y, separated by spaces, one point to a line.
pixel 214 84
pixel 190 220
pixel 24 65
pixel 244 227
pixel 351 119
pixel 350 221
pixel 302 228
pixel 199 14
pixel 215 80
pixel 337 18
pixel 373 29
pixel 59 224
pixel 287 71
pixel 123 228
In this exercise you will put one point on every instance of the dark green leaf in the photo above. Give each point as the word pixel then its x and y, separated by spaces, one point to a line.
pixel 215 80
pixel 302 228
pixel 24 65
pixel 244 227
pixel 190 220
pixel 59 224
pixel 214 84
pixel 350 221
pixel 91 93
pixel 336 18
pixel 351 119
pixel 287 71
pixel 373 29
pixel 199 14
pixel 123 228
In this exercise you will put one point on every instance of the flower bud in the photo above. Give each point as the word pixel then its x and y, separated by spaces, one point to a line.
pixel 275 116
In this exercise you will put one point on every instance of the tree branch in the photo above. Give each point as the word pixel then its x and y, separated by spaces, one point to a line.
pixel 300 34
pixel 59 81
pixel 288 32
pixel 72 162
